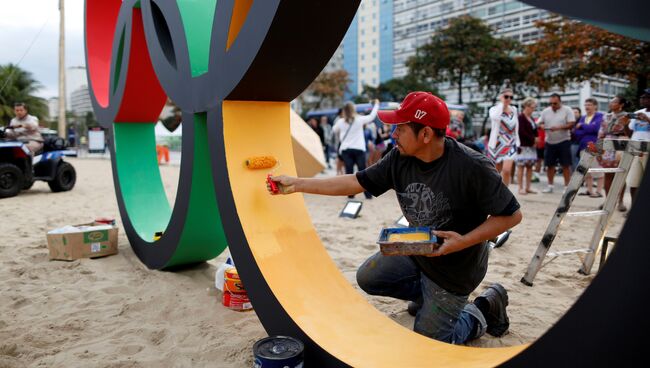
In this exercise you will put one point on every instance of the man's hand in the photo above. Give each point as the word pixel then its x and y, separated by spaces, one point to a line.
pixel 452 242
pixel 643 117
pixel 286 184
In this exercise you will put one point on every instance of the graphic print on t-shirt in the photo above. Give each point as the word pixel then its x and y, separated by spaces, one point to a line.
pixel 422 207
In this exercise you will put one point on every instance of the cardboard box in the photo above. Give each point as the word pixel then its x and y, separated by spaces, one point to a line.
pixel 82 241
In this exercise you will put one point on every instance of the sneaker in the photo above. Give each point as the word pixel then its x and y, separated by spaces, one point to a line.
pixel 548 189
pixel 492 303
pixel 535 178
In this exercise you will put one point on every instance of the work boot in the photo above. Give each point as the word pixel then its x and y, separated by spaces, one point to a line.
pixel 492 303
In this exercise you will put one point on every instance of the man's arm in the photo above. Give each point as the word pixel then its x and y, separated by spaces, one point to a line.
pixel 566 126
pixel 334 186
pixel 370 118
pixel 493 226
pixel 571 120
pixel 31 124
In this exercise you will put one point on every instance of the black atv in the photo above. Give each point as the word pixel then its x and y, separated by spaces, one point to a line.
pixel 19 170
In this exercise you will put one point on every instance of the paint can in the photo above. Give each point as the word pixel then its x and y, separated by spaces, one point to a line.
pixel 232 282
pixel 237 302
pixel 234 294
pixel 278 352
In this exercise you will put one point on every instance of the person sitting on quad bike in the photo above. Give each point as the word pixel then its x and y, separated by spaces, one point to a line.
pixel 24 127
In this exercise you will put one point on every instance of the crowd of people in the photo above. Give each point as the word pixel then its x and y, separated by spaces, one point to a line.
pixel 558 137
pixel 522 142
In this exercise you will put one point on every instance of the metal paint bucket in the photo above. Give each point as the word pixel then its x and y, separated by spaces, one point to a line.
pixel 278 352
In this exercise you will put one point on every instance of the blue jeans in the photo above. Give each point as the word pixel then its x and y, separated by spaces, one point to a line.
pixel 353 157
pixel 575 156
pixel 444 316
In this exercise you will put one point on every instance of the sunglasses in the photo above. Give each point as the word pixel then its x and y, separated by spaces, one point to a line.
pixel 508 97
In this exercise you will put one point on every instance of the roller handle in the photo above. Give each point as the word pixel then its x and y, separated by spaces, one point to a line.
pixel 273 185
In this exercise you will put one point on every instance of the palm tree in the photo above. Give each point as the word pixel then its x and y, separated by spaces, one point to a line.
pixel 18 85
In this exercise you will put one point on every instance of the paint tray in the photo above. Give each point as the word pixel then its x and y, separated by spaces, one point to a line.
pixel 407 241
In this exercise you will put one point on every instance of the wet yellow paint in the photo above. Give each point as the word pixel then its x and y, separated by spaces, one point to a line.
pixel 409 237
pixel 286 247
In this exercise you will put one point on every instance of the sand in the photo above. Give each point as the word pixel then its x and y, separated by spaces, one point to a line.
pixel 114 312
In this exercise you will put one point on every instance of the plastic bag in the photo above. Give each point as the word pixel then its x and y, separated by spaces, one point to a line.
pixel 219 277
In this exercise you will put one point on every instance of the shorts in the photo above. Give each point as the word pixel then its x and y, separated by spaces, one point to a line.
pixel 540 153
pixel 560 152
pixel 637 169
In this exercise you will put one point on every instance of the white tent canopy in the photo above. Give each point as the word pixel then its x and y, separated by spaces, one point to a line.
pixel 161 131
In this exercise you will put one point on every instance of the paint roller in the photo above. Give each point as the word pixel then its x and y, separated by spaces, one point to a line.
pixel 261 162
pixel 264 162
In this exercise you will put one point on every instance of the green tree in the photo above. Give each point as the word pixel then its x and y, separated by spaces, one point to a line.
pixel 397 88
pixel 18 85
pixel 328 86
pixel 572 51
pixel 464 51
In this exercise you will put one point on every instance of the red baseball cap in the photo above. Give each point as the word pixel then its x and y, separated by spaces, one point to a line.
pixel 419 107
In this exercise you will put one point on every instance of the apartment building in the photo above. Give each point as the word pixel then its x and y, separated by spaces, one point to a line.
pixel 368 45
pixel 415 21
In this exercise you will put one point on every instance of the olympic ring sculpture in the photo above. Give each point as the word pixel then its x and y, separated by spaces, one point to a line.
pixel 233 66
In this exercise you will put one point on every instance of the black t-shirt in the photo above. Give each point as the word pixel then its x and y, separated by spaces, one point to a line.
pixel 456 192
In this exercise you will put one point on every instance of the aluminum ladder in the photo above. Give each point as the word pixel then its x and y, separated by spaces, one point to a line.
pixel 587 159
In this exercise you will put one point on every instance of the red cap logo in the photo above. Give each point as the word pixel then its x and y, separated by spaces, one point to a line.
pixel 419 107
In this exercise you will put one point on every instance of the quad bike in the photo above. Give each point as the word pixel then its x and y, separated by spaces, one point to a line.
pixel 19 169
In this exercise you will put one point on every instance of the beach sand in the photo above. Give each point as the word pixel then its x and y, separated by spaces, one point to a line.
pixel 114 312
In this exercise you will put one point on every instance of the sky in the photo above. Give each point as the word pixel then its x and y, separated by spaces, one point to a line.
pixel 20 24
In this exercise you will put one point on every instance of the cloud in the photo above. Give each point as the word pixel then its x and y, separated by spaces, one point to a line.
pixel 21 23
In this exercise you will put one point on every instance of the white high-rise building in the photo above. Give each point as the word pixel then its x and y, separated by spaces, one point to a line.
pixel 75 78
pixel 80 103
pixel 415 21
pixel 53 107
pixel 368 45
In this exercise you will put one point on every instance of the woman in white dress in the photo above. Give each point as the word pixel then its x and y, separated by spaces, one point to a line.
pixel 504 137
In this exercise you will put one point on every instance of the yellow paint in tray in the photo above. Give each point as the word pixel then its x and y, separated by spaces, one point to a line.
pixel 409 237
